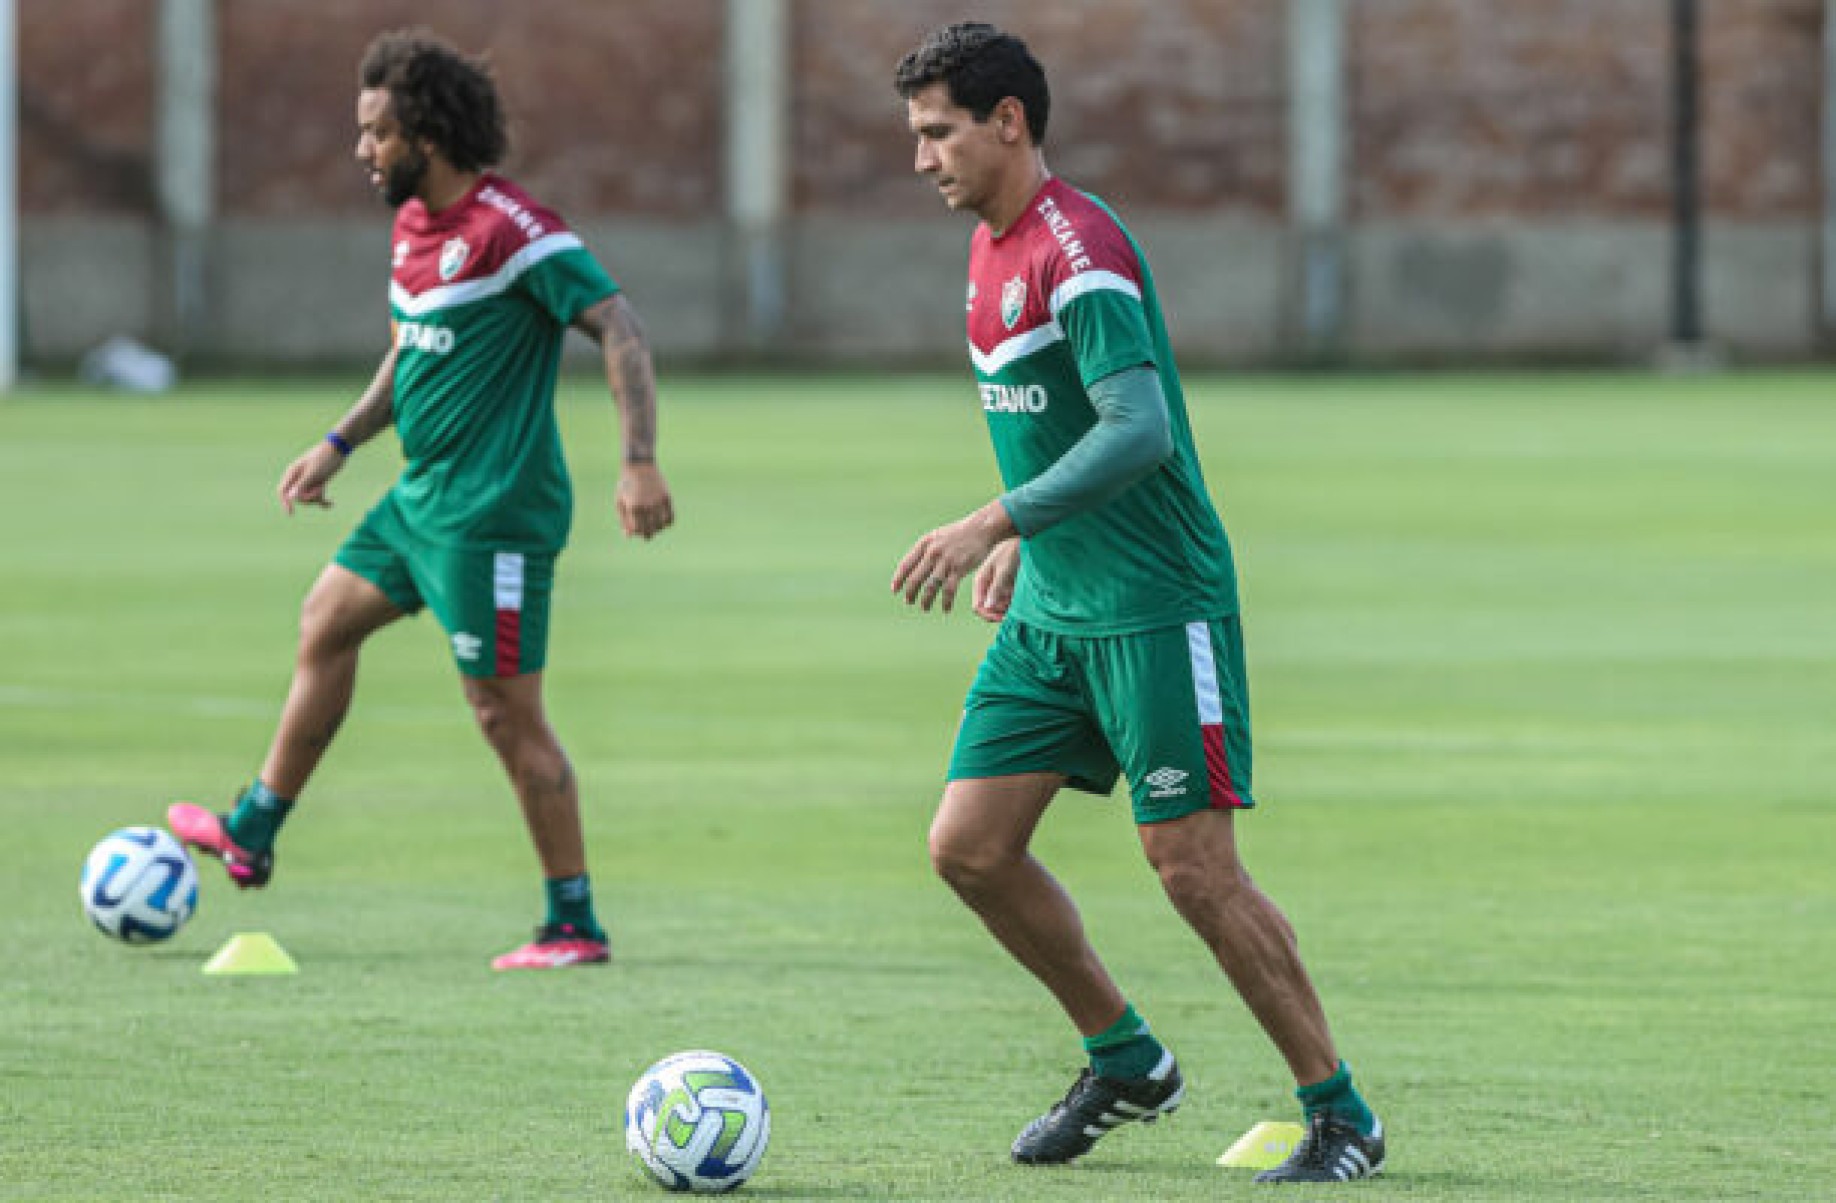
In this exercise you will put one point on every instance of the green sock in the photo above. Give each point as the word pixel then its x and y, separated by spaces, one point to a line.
pixel 1338 1096
pixel 1124 1049
pixel 570 901
pixel 258 817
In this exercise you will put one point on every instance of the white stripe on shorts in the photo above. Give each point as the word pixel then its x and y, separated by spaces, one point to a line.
pixel 1204 673
pixel 507 582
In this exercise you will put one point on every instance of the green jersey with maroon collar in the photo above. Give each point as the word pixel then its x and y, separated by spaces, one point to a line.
pixel 481 297
pixel 1059 301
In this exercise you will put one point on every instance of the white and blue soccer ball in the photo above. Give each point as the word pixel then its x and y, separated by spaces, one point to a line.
pixel 139 886
pixel 698 1122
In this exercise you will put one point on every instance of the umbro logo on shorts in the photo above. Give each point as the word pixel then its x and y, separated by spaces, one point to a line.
pixel 1167 783
pixel 465 646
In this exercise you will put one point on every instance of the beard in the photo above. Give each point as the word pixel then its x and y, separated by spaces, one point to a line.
pixel 403 180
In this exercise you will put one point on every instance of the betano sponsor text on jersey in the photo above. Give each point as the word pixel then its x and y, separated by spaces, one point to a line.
pixel 1014 398
pixel 423 336
pixel 1075 257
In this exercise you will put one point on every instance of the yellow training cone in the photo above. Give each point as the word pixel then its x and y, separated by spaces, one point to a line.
pixel 251 952
pixel 1264 1146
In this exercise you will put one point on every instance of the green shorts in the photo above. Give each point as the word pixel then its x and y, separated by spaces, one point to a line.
pixel 1168 708
pixel 493 603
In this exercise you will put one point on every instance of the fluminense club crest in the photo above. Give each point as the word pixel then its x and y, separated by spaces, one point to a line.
pixel 1013 300
pixel 452 257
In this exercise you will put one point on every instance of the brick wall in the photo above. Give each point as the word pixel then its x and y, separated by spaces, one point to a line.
pixel 1763 67
pixel 1174 104
pixel 86 79
pixel 1459 108
pixel 1562 108
pixel 614 108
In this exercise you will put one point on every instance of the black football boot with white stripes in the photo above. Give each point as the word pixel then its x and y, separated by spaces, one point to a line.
pixel 1094 1105
pixel 1331 1151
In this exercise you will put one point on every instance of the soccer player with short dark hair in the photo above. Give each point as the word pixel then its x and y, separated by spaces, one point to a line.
pixel 485 284
pixel 1119 652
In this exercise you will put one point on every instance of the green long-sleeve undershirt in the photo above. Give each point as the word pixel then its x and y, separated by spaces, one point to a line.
pixel 1133 436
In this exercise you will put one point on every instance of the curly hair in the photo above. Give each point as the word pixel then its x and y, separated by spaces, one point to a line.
pixel 980 66
pixel 440 95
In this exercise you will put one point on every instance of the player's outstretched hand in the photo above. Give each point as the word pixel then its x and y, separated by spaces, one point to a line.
pixel 644 507
pixel 994 581
pixel 943 559
pixel 304 481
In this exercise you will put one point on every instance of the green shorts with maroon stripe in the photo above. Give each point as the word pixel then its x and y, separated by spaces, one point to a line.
pixel 1168 709
pixel 493 602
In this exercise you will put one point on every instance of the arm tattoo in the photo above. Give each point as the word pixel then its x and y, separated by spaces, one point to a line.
pixel 633 381
pixel 376 408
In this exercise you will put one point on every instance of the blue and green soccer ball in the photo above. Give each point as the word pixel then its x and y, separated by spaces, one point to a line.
pixel 139 886
pixel 698 1122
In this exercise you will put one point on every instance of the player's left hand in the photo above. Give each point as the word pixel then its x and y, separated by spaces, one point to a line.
pixel 946 557
pixel 644 507
pixel 304 481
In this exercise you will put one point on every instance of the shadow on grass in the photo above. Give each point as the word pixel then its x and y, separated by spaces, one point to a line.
pixel 867 964
pixel 795 1191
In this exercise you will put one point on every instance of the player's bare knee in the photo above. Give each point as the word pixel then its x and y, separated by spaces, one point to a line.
pixel 506 717
pixel 492 712
pixel 966 867
pixel 320 631
pixel 1196 881
pixel 330 625
pixel 946 861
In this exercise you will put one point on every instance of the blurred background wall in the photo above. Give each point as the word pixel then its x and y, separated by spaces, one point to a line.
pixel 1355 180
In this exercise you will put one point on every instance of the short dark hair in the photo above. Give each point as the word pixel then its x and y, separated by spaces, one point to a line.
pixel 440 95
pixel 980 66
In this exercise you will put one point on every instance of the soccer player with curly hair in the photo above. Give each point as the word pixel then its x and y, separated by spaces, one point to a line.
pixel 485 284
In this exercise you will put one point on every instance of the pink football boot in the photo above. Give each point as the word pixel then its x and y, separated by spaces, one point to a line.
pixel 206 832
pixel 556 946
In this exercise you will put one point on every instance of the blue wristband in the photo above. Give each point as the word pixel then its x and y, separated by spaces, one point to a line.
pixel 340 442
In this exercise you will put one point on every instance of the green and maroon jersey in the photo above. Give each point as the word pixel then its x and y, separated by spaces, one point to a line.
pixel 1058 302
pixel 481 297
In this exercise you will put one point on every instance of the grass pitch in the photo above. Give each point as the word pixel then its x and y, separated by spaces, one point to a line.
pixel 1543 667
